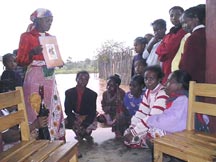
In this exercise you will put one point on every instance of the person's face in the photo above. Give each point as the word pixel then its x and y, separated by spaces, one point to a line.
pixel 159 32
pixel 11 63
pixel 172 85
pixel 138 47
pixel 188 24
pixel 175 14
pixel 82 80
pixel 44 23
pixel 151 79
pixel 111 86
pixel 139 68
pixel 135 88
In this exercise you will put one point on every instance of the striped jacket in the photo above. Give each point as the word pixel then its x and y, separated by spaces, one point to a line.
pixel 154 102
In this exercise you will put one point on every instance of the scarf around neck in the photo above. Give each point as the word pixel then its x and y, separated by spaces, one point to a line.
pixel 175 95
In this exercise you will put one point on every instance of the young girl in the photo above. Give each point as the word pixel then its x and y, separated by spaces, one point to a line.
pixel 140 66
pixel 134 97
pixel 139 46
pixel 169 46
pixel 9 74
pixel 154 102
pixel 112 105
pixel 174 118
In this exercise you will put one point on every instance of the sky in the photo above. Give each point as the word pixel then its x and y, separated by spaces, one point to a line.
pixel 82 26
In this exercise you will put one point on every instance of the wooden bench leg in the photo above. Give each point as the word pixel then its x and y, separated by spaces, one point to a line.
pixel 158 155
pixel 75 155
pixel 74 159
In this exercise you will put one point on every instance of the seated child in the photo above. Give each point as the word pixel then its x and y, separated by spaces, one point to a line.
pixel 140 66
pixel 153 102
pixel 9 74
pixel 174 118
pixel 133 98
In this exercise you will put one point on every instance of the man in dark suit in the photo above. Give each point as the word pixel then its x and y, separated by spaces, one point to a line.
pixel 80 107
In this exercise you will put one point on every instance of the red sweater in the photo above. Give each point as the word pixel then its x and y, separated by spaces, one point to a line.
pixel 194 57
pixel 167 50
pixel 28 41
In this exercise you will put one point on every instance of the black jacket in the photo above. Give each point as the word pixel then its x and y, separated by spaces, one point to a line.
pixel 87 106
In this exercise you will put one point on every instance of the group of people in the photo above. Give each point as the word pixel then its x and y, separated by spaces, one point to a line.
pixel 162 68
pixel 156 103
pixel 182 48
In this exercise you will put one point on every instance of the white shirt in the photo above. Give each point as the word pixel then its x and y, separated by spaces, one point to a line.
pixel 152 57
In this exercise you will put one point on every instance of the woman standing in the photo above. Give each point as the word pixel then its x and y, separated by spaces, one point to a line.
pixel 30 54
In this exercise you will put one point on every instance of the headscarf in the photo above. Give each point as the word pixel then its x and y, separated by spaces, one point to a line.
pixel 39 13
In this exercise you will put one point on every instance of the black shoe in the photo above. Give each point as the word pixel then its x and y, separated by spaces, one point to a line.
pixel 101 119
pixel 89 138
pixel 79 155
pixel 150 144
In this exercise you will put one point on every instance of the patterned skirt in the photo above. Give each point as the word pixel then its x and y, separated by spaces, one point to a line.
pixel 37 74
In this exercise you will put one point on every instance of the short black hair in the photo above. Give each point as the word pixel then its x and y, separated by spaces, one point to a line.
pixel 196 12
pixel 82 72
pixel 159 22
pixel 157 69
pixel 6 57
pixel 176 8
pixel 182 77
pixel 141 62
pixel 116 78
pixel 139 79
pixel 141 40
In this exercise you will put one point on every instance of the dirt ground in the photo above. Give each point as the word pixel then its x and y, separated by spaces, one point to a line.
pixel 106 148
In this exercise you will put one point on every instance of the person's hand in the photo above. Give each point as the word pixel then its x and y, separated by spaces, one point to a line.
pixel 41 122
pixel 155 39
pixel 128 137
pixel 34 134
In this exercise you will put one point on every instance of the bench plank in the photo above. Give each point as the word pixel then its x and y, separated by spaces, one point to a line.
pixel 14 149
pixel 11 120
pixel 188 146
pixel 66 152
pixel 44 152
pixel 24 153
pixel 9 99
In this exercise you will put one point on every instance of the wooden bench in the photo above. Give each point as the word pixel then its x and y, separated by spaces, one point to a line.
pixel 190 145
pixel 27 149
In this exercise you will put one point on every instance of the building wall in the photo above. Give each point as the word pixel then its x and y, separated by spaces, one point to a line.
pixel 211 51
pixel 211 40
pixel 1 65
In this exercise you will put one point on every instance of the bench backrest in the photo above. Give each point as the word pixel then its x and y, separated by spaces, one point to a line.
pixel 197 104
pixel 19 117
